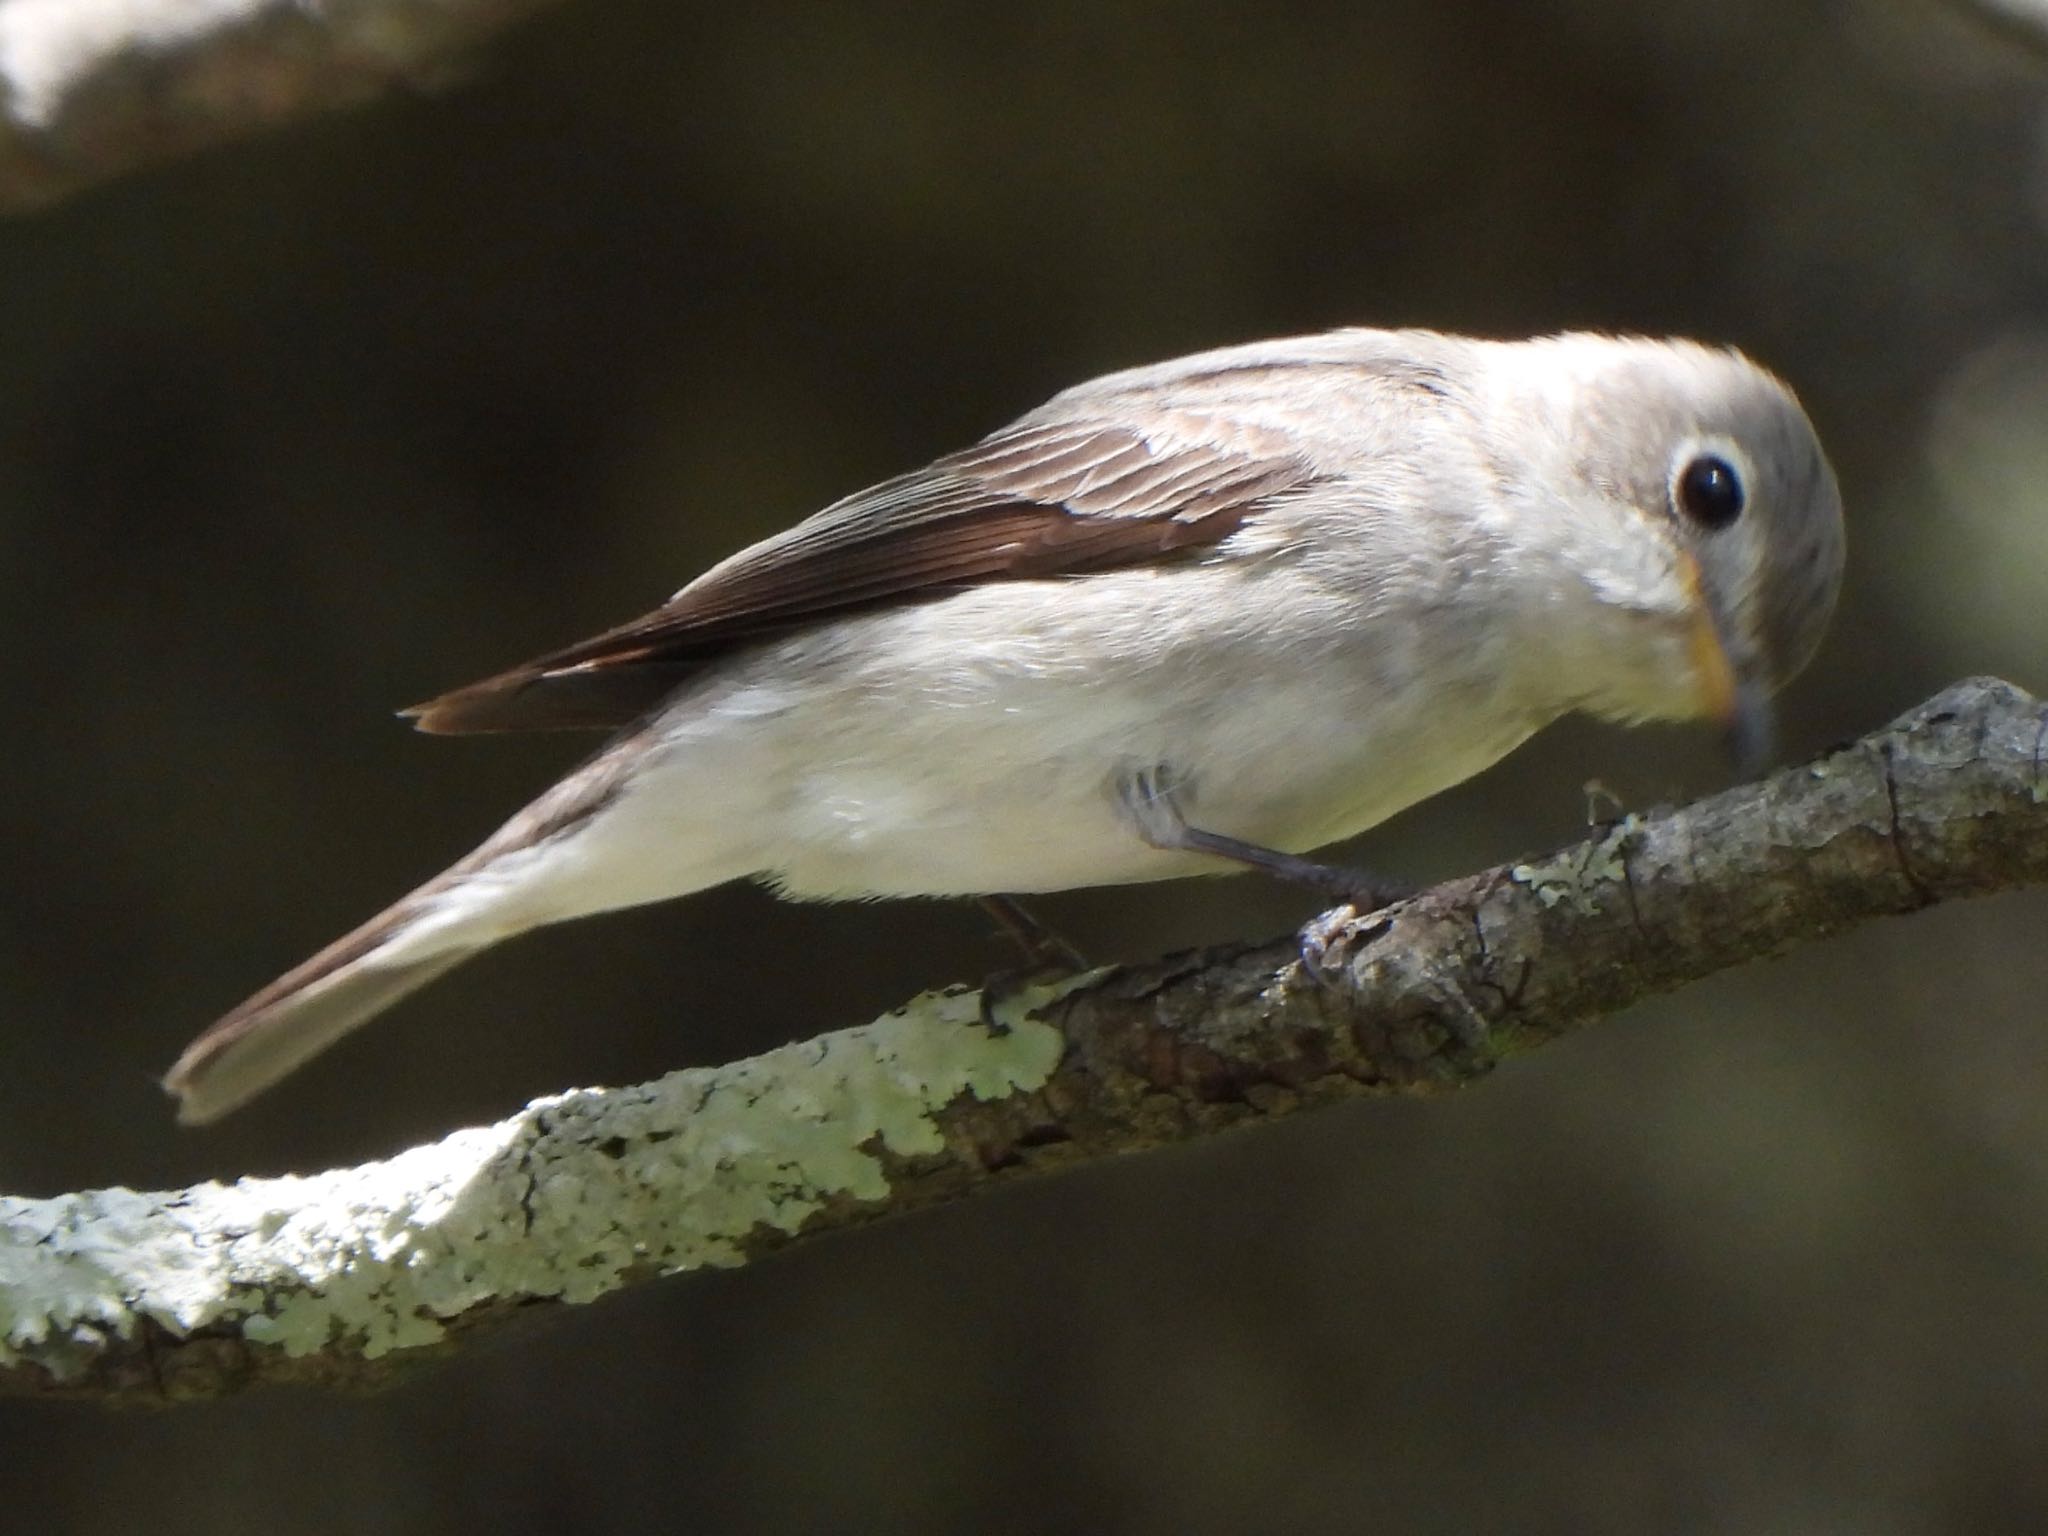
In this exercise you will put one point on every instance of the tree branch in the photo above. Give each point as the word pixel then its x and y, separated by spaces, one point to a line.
pixel 2022 23
pixel 90 89
pixel 334 1278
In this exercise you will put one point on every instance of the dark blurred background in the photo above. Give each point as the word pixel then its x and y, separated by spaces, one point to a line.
pixel 300 431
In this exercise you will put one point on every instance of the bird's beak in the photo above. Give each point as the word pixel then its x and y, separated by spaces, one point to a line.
pixel 1752 729
pixel 1740 704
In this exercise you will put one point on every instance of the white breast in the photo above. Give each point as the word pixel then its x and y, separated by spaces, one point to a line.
pixel 974 744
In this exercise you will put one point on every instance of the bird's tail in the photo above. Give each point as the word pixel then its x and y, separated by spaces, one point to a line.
pixel 576 850
pixel 309 1008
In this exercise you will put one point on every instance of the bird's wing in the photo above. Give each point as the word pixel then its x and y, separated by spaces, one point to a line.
pixel 1060 496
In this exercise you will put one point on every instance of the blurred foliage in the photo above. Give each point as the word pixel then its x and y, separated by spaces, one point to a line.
pixel 297 433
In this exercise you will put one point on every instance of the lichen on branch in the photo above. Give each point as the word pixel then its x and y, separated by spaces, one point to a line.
pixel 339 1276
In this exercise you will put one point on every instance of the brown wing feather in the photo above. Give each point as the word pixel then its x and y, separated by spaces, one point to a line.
pixel 1035 501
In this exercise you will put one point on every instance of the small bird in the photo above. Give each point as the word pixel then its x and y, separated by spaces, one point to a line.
pixel 1180 620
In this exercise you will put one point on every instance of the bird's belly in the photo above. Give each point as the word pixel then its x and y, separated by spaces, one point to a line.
pixel 1000 801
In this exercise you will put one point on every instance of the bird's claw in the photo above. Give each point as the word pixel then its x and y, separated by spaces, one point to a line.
pixel 1346 925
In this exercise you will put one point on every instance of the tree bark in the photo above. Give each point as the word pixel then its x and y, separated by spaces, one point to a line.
pixel 2022 23
pixel 338 1277
pixel 91 89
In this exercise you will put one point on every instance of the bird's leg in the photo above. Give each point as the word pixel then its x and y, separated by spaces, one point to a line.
pixel 1044 947
pixel 1148 797
pixel 1044 951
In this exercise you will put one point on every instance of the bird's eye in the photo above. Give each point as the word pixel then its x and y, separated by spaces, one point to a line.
pixel 1709 491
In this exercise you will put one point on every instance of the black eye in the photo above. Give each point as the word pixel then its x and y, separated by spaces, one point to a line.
pixel 1709 491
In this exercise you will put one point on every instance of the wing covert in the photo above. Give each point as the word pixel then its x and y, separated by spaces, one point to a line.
pixel 1040 499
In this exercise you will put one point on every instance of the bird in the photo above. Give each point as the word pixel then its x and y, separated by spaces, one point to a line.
pixel 1210 614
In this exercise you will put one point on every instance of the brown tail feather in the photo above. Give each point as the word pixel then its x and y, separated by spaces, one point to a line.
pixel 302 1013
pixel 458 912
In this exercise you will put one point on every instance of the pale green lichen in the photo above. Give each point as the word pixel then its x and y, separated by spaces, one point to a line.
pixel 565 1200
pixel 1578 875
